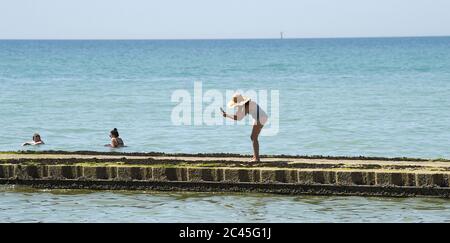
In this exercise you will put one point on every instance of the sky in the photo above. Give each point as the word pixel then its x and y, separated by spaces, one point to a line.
pixel 221 19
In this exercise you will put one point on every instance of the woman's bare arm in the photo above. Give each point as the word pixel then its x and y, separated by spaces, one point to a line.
pixel 114 143
pixel 32 143
pixel 240 114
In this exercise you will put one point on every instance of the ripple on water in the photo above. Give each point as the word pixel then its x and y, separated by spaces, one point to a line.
pixel 23 204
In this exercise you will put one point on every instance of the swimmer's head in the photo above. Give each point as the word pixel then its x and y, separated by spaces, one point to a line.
pixel 114 133
pixel 36 137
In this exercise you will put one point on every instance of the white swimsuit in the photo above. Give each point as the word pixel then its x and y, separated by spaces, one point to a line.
pixel 255 111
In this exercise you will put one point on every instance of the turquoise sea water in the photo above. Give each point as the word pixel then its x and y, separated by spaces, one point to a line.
pixel 372 97
pixel 21 204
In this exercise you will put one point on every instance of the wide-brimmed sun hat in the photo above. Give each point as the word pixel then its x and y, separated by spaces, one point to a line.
pixel 238 100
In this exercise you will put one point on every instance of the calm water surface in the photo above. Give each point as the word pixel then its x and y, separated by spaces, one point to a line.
pixel 22 204
pixel 372 97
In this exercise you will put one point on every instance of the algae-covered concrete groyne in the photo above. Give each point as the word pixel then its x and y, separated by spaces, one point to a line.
pixel 223 172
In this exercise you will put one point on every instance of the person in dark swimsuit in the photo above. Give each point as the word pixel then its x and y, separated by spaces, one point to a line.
pixel 116 141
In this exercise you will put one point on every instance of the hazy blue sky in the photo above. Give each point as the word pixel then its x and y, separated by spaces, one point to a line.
pixel 181 19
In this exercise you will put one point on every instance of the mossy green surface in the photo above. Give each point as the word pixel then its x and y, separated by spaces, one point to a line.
pixel 224 155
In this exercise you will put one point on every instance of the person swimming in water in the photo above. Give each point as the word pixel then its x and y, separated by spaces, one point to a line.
pixel 116 142
pixel 245 106
pixel 36 141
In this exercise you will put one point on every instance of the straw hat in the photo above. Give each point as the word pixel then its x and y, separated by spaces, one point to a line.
pixel 238 100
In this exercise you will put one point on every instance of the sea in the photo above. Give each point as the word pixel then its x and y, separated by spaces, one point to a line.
pixel 384 97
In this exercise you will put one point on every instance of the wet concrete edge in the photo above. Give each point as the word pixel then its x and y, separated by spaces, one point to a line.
pixel 225 155
pixel 285 189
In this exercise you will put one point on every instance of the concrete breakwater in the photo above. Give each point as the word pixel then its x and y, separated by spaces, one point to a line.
pixel 283 174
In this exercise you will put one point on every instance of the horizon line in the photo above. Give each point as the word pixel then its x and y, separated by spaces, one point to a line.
pixel 232 38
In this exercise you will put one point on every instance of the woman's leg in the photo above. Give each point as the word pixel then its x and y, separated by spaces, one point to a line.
pixel 255 134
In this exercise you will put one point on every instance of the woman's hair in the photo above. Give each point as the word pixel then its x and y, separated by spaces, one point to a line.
pixel 36 135
pixel 115 133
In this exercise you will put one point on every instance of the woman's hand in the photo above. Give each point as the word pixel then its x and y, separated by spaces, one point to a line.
pixel 224 114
